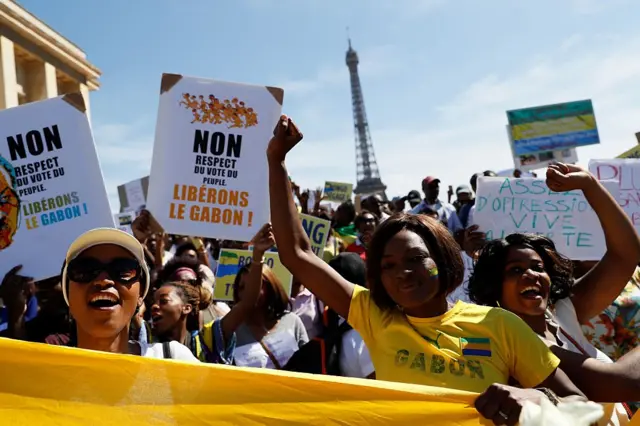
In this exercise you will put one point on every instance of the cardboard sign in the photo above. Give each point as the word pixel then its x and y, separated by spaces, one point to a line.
pixel 209 174
pixel 526 205
pixel 626 173
pixel 337 191
pixel 318 232
pixel 51 184
pixel 231 261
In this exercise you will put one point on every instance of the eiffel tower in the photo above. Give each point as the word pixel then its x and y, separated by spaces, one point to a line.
pixel 367 173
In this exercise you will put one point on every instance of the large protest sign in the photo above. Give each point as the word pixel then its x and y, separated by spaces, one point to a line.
pixel 338 192
pixel 231 261
pixel 508 205
pixel 209 168
pixel 626 172
pixel 318 232
pixel 539 160
pixel 553 127
pixel 51 184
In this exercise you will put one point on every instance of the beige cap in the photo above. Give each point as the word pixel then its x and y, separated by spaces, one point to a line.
pixel 100 236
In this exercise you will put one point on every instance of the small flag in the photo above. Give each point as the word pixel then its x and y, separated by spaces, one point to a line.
pixel 476 346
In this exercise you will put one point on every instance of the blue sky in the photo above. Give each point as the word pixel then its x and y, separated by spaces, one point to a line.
pixel 437 75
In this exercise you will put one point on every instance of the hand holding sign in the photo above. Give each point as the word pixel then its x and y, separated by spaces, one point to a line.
pixel 16 290
pixel 144 226
pixel 567 177
pixel 263 240
pixel 285 136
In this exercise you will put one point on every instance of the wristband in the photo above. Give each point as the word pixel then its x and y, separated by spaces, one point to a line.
pixel 550 394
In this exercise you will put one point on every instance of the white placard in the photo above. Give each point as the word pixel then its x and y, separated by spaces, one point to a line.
pixel 135 195
pixel 209 174
pixel 509 205
pixel 51 183
pixel 626 172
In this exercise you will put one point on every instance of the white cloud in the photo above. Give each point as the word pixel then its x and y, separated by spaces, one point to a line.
pixel 467 134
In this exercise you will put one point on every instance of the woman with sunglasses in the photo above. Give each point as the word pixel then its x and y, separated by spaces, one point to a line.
pixel 104 281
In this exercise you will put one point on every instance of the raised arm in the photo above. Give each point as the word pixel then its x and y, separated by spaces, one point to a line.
pixel 597 289
pixel 294 247
pixel 262 242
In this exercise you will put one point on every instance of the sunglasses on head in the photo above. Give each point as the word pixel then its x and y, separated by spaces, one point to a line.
pixel 86 269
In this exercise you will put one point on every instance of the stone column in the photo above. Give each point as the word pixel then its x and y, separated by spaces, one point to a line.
pixel 8 91
pixel 41 82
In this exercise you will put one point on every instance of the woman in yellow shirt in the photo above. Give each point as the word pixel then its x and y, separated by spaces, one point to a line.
pixel 413 335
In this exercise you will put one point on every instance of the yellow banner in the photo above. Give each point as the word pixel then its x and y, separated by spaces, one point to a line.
pixel 46 385
pixel 539 129
pixel 230 262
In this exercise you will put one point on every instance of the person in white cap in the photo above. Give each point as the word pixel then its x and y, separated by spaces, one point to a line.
pixel 104 281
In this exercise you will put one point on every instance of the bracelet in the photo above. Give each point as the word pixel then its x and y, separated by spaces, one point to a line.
pixel 550 394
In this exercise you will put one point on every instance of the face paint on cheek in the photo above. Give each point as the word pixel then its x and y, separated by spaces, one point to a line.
pixel 433 272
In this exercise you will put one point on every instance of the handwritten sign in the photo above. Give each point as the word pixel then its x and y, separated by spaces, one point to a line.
pixel 231 261
pixel 626 173
pixel 209 169
pixel 318 232
pixel 337 191
pixel 509 205
pixel 50 183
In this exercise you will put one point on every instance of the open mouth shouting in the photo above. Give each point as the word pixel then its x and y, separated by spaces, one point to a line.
pixel 105 301
pixel 533 292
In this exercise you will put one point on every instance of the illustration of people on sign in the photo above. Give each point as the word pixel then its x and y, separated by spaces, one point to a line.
pixel 234 113
pixel 9 204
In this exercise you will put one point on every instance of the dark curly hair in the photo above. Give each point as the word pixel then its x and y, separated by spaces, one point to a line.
pixel 485 284
pixel 167 275
pixel 168 271
pixel 443 249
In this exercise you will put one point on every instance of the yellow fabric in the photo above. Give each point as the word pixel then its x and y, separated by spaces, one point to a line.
pixel 433 351
pixel 46 385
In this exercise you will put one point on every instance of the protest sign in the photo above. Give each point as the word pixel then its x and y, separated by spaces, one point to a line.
pixel 47 384
pixel 51 184
pixel 209 172
pixel 526 205
pixel 337 191
pixel 231 261
pixel 124 221
pixel 318 232
pixel 133 195
pixel 539 160
pixel 626 173
pixel 553 127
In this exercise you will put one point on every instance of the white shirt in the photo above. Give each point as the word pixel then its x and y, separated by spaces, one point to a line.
pixel 355 360
pixel 446 212
pixel 178 352
pixel 460 293
pixel 470 217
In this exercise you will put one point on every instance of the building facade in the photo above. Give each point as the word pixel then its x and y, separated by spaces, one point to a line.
pixel 37 63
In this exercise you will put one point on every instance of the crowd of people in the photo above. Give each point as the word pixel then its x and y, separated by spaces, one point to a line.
pixel 406 291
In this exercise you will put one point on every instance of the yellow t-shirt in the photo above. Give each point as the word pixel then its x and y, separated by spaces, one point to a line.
pixel 468 348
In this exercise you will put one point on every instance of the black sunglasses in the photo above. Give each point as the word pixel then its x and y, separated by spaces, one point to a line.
pixel 86 269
